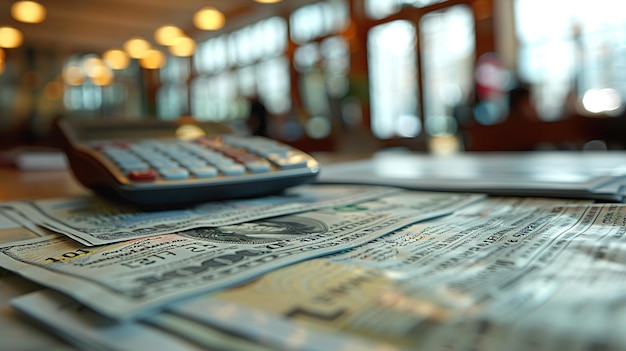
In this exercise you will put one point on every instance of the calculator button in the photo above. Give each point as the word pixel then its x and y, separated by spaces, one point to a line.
pixel 134 166
pixel 143 175
pixel 260 166
pixel 234 169
pixel 289 162
pixel 121 155
pixel 204 172
pixel 174 173
pixel 269 150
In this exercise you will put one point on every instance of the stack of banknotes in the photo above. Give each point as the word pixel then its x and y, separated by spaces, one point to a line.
pixel 324 267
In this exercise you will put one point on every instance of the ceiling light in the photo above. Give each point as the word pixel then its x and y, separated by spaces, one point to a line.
pixel 10 37
pixel 183 46
pixel 102 76
pixel 137 47
pixel 73 75
pixel 153 59
pixel 92 65
pixel 28 11
pixel 166 35
pixel 268 1
pixel 116 59
pixel 209 18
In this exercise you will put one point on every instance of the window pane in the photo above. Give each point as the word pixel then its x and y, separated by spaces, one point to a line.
pixel 274 84
pixel 171 101
pixel 572 51
pixel 241 64
pixel 200 104
pixel 393 80
pixel 274 30
pixel 447 43
pixel 312 21
pixel 176 70
pixel 382 8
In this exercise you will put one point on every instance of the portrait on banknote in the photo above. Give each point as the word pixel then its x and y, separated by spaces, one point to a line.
pixel 261 231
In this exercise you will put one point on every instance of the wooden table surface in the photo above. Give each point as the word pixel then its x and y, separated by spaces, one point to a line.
pixel 17 184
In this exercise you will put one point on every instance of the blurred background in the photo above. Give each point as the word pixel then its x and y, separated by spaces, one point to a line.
pixel 346 76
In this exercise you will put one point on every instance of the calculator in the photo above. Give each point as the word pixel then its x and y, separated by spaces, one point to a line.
pixel 159 164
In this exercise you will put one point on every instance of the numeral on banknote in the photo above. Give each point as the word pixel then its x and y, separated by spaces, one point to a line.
pixel 149 260
pixel 68 255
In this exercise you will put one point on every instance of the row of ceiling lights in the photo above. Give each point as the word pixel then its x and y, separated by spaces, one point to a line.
pixel 23 11
pixel 170 36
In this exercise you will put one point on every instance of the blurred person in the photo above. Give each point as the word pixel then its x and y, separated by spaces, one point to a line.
pixel 258 117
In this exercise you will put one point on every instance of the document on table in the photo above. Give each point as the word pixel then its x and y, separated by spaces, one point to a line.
pixel 502 274
pixel 597 175
pixel 133 278
pixel 94 221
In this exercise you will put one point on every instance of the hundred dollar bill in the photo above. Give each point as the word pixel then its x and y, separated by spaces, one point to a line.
pixel 502 274
pixel 132 278
pixel 95 221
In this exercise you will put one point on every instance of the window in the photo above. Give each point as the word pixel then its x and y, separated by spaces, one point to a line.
pixel 575 61
pixel 317 20
pixel 113 93
pixel 393 80
pixel 420 70
pixel 322 62
pixel 172 95
pixel 383 8
pixel 447 49
pixel 247 62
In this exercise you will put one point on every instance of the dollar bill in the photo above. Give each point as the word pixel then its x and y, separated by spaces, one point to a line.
pixel 95 221
pixel 15 227
pixel 87 330
pixel 502 274
pixel 133 278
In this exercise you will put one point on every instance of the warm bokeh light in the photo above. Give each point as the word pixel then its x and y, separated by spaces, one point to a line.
pixel 167 35
pixel 1 55
pixel 116 59
pixel 73 75
pixel 209 18
pixel 91 66
pixel 137 47
pixel 99 73
pixel 28 11
pixel 183 46
pixel 102 75
pixel 268 1
pixel 153 59
pixel 10 37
